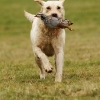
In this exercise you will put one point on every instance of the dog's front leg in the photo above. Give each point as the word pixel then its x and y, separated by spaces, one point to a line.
pixel 44 60
pixel 59 54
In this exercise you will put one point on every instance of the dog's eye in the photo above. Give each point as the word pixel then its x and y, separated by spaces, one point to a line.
pixel 48 8
pixel 58 7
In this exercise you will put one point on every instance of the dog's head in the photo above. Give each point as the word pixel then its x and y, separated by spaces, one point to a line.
pixel 52 8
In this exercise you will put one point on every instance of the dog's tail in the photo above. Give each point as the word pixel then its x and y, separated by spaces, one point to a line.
pixel 29 16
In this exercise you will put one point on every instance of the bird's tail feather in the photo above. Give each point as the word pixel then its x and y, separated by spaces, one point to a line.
pixel 29 16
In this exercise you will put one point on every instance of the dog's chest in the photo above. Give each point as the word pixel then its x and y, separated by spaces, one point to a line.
pixel 45 42
pixel 46 47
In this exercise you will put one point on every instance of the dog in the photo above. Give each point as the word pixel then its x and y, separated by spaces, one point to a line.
pixel 44 41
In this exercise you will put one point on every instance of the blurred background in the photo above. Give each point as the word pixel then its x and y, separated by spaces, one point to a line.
pixel 82 52
pixel 83 43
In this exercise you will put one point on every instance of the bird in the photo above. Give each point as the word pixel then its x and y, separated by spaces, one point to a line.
pixel 54 22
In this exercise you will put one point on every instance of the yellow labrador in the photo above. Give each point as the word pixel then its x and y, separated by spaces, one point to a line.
pixel 44 41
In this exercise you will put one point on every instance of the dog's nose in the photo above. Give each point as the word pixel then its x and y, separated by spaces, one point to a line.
pixel 54 15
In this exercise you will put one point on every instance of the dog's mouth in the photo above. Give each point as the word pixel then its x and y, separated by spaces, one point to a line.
pixel 52 15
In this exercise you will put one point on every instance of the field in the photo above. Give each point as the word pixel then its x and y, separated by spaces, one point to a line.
pixel 19 74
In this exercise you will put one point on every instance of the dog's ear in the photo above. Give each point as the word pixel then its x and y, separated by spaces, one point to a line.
pixel 40 2
pixel 62 1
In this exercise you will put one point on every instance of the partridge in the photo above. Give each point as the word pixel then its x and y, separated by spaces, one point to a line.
pixel 54 22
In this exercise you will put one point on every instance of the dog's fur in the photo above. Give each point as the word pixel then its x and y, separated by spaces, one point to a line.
pixel 44 41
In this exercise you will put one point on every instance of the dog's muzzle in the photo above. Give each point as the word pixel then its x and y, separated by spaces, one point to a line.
pixel 54 15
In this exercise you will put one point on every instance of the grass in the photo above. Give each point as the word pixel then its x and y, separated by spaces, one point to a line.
pixel 19 79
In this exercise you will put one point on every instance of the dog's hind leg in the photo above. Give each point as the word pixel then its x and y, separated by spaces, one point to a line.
pixel 42 71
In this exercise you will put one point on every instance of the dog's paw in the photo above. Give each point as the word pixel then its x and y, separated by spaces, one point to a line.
pixel 58 78
pixel 49 70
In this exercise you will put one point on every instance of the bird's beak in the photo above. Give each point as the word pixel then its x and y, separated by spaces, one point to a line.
pixel 38 15
pixel 35 16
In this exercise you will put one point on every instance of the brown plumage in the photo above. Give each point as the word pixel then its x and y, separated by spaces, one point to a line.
pixel 64 24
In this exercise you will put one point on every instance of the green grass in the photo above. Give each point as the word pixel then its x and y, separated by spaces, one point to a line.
pixel 19 78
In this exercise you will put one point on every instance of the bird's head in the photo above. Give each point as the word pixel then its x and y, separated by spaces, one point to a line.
pixel 40 15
